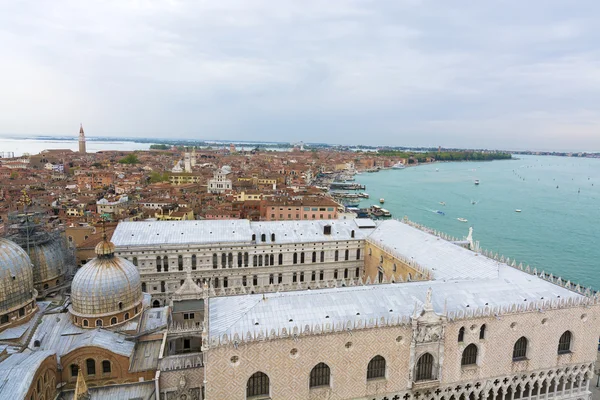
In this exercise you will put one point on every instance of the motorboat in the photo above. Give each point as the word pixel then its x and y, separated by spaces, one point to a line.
pixel 462 219
pixel 382 200
pixel 443 203
pixel 476 181
pixel 398 166
pixel 517 210
pixel 440 212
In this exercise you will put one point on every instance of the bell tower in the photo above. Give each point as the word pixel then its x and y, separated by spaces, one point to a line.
pixel 81 139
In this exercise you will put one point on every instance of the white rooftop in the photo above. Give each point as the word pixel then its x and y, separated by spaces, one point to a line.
pixel 444 259
pixel 153 233
pixel 240 314
pixel 17 372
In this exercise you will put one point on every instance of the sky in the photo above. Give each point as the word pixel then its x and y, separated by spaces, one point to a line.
pixel 508 74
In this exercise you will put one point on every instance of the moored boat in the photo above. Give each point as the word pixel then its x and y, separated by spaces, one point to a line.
pixel 462 219
pixel 382 200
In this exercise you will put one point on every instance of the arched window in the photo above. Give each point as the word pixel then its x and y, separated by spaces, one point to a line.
pixel 126 316
pixel 245 259
pixel 424 370
pixel 347 255
pixel 254 260
pixel 461 334
pixel 113 320
pixel 74 370
pixel 144 287
pixel 223 260
pixel 358 254
pixel 482 332
pixel 239 260
pixel 215 260
pixel 469 356
pixel 352 233
pixel 295 258
pixel 156 304
pixel 254 237
pixel 166 263
pixel 302 258
pixel 336 256
pixel 258 385
pixel 90 366
pixel 158 264
pixel 120 305
pixel 194 261
pixel 135 261
pixel 322 256
pixel 106 369
pixel 180 262
pixel 98 322
pixel 564 343
pixel 320 375
pixel 520 349
pixel 314 256
pixel 376 368
pixel 260 260
pixel 263 238
pixel 272 237
pixel 280 261
pixel 85 322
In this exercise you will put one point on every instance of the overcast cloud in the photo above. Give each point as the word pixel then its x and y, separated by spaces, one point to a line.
pixel 498 74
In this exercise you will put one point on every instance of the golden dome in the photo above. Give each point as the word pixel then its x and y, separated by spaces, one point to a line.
pixel 105 248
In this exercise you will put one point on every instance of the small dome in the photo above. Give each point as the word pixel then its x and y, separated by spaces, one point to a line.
pixel 106 285
pixel 16 276
pixel 105 248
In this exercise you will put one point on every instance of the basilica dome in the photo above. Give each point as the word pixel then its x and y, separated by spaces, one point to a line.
pixel 48 261
pixel 16 277
pixel 107 290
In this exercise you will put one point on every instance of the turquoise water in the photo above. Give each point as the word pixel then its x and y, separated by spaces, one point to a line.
pixel 557 231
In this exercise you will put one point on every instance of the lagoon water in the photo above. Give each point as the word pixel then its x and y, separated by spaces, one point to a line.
pixel 34 146
pixel 558 230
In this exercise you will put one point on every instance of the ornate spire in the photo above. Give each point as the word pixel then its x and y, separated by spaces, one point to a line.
pixel 81 389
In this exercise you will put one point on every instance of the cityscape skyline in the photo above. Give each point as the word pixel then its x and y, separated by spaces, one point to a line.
pixel 413 73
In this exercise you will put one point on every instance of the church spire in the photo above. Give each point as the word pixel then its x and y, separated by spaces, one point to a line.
pixel 81 139
pixel 81 389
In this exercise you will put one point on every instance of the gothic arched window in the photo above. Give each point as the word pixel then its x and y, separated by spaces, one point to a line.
pixel 461 334
pixel 424 371
pixel 258 385
pixel 376 368
pixel 469 356
pixel 564 343
pixel 90 365
pixel 520 349
pixel 320 375
pixel 482 332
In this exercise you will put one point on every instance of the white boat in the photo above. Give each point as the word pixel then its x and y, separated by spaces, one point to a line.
pixel 382 200
pixel 517 210
pixel 437 170
pixel 398 166
pixel 476 181
pixel 443 203
pixel 462 219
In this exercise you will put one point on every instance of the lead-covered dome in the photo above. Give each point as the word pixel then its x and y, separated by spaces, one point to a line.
pixel 16 277
pixel 106 289
pixel 48 261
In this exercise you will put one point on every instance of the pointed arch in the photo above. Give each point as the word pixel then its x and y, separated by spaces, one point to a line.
pixel 564 343
pixel 320 375
pixel 469 355
pixel 376 368
pixel 258 385
pixel 520 349
pixel 424 369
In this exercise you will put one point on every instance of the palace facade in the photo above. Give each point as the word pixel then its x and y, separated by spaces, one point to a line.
pixel 425 317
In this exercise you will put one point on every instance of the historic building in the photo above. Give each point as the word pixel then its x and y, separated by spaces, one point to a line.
pixel 426 317
pixel 220 183
pixel 286 255
pixel 81 140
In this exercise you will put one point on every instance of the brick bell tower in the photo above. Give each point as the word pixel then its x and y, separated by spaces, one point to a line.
pixel 81 139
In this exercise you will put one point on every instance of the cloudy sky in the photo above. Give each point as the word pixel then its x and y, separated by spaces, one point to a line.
pixel 499 74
